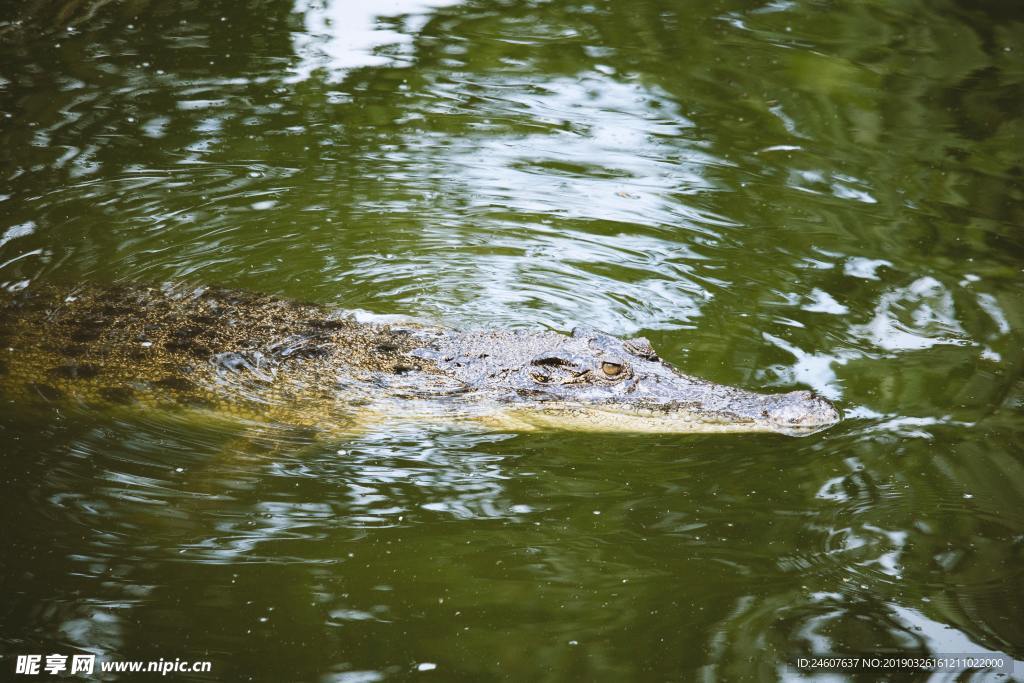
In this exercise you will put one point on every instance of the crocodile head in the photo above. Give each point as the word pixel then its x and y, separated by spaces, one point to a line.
pixel 593 381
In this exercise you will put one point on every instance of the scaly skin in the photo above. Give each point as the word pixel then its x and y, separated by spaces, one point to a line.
pixel 273 361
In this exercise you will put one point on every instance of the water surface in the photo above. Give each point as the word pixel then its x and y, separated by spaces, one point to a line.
pixel 780 195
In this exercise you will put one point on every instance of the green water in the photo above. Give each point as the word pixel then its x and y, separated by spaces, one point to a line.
pixel 784 195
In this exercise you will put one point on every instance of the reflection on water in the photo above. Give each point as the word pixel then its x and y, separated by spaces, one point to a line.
pixel 778 195
pixel 339 36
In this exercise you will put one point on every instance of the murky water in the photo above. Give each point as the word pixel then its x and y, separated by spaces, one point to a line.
pixel 781 195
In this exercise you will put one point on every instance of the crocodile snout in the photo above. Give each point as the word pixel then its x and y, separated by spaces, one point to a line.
pixel 803 411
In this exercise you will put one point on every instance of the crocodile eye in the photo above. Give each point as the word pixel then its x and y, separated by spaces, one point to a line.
pixel 611 369
pixel 540 378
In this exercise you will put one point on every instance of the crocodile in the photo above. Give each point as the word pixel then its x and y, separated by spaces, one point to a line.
pixel 270 360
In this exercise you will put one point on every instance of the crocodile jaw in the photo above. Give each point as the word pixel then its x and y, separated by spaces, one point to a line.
pixel 624 418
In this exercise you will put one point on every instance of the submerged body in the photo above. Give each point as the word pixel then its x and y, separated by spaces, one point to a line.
pixel 271 360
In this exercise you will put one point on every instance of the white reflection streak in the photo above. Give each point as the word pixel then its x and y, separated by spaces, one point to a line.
pixel 942 637
pixel 16 231
pixel 342 35
pixel 990 305
pixel 631 163
pixel 814 370
pixel 932 321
